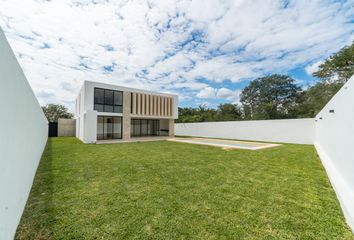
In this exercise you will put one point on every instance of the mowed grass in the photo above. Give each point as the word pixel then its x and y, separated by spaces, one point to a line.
pixel 170 190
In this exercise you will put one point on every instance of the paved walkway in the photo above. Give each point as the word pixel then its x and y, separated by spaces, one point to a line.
pixel 134 139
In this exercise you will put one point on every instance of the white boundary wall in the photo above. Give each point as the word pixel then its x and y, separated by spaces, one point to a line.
pixel 332 133
pixel 335 146
pixel 300 131
pixel 23 135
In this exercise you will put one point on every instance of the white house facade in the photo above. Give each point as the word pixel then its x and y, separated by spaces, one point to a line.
pixel 107 112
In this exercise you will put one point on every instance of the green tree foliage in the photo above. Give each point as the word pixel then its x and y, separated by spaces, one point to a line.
pixel 54 111
pixel 229 112
pixel 339 66
pixel 316 97
pixel 224 112
pixel 333 73
pixel 271 97
pixel 200 114
pixel 277 96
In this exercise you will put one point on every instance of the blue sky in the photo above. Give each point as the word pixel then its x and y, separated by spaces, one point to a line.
pixel 205 51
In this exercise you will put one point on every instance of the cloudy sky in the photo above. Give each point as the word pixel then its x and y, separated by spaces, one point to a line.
pixel 205 51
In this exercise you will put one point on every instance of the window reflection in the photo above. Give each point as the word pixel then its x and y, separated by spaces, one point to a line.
pixel 106 100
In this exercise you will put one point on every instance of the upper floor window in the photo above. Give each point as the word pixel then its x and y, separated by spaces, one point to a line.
pixel 106 100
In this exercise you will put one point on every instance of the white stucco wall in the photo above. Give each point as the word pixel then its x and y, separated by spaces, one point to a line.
pixel 90 127
pixel 66 127
pixel 23 135
pixel 86 117
pixel 88 92
pixel 80 113
pixel 288 131
pixel 335 142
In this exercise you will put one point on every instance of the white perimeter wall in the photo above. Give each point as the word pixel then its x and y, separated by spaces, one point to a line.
pixel 23 135
pixel 335 146
pixel 287 131
pixel 332 132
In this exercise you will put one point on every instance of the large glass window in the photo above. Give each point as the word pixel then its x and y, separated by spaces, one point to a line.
pixel 109 127
pixel 132 126
pixel 144 127
pixel 106 100
pixel 99 128
pixel 118 98
pixel 135 128
pixel 99 96
pixel 117 127
pixel 150 128
pixel 156 130
pixel 108 97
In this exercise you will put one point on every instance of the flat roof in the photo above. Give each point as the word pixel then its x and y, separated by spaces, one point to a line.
pixel 128 89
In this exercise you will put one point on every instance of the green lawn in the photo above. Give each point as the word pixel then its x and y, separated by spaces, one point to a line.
pixel 170 190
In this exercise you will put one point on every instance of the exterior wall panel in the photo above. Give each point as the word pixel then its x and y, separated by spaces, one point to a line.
pixel 126 115
pixel 158 106
pixel 66 127
pixel 163 106
pixel 138 103
pixel 141 104
pixel 301 131
pixel 334 143
pixel 171 128
pixel 24 133
pixel 155 105
pixel 134 103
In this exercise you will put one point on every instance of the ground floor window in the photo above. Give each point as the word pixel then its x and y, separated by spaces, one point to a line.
pixel 144 127
pixel 109 127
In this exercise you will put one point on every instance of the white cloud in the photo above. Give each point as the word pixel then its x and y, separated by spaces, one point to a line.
pixel 208 92
pixel 231 95
pixel 310 69
pixel 225 94
pixel 168 45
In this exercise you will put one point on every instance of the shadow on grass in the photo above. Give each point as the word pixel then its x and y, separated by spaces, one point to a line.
pixel 38 218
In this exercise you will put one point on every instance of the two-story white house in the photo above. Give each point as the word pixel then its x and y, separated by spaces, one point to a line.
pixel 107 112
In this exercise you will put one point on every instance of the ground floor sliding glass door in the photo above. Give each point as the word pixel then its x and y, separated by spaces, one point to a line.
pixel 109 127
pixel 144 127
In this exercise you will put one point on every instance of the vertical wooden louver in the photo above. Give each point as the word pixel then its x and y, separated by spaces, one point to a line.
pixel 138 104
pixel 151 105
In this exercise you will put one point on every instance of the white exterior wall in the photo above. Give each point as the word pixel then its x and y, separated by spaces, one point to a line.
pixel 23 135
pixel 334 143
pixel 86 123
pixel 89 94
pixel 66 127
pixel 90 127
pixel 332 132
pixel 80 113
pixel 288 131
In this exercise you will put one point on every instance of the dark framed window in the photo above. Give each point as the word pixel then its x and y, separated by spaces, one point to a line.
pixel 106 100
pixel 109 127
pixel 144 127
pixel 108 97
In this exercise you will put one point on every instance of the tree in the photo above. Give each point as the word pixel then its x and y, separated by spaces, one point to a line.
pixel 339 67
pixel 271 97
pixel 54 111
pixel 224 112
pixel 333 73
pixel 229 112
pixel 315 98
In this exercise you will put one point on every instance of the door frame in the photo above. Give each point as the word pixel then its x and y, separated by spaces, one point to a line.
pixel 121 127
